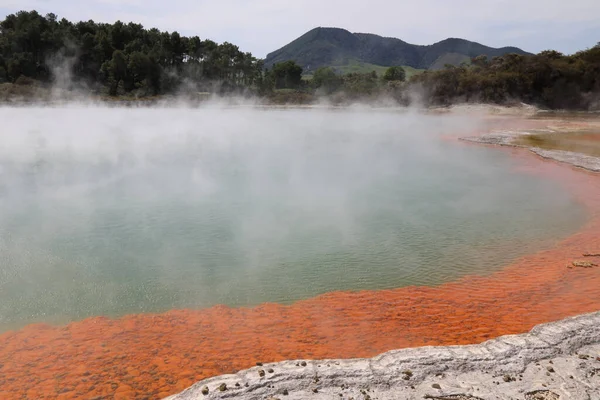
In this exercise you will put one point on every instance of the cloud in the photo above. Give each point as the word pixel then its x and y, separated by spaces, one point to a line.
pixel 262 26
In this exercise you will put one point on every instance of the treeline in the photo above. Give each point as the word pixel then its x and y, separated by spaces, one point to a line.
pixel 326 81
pixel 119 58
pixel 127 59
pixel 549 79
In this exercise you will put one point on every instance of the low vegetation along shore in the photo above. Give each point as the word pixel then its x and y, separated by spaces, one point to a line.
pixel 141 356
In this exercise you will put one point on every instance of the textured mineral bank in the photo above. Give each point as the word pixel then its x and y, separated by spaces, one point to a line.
pixel 507 138
pixel 559 360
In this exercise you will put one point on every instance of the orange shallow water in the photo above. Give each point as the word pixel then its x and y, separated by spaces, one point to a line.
pixel 152 356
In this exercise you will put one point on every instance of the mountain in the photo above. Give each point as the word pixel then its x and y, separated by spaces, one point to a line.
pixel 334 46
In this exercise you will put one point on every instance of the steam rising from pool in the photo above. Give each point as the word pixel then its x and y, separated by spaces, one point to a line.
pixel 109 211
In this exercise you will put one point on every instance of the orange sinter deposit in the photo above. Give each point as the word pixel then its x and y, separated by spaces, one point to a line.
pixel 151 356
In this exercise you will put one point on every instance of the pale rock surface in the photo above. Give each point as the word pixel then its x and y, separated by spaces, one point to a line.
pixel 559 360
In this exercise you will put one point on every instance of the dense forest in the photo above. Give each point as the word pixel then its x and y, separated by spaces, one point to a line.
pixel 128 60
pixel 119 58
pixel 548 79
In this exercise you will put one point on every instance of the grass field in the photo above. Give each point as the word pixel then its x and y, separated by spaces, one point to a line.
pixel 357 66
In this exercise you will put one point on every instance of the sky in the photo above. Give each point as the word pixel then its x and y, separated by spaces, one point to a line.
pixel 262 26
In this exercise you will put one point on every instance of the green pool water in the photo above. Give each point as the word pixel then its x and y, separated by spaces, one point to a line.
pixel 109 211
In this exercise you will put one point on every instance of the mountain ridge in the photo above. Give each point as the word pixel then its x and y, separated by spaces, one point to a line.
pixel 326 46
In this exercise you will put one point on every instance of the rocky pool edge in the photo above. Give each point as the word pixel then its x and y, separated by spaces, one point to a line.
pixel 557 360
pixel 579 160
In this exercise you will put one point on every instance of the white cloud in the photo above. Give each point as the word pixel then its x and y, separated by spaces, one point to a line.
pixel 261 26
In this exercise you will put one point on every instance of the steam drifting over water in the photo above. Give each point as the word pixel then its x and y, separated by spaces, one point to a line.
pixel 113 211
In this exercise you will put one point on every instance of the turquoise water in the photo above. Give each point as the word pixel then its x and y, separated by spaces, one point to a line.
pixel 116 211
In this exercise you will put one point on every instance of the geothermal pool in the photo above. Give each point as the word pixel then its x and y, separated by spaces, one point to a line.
pixel 109 211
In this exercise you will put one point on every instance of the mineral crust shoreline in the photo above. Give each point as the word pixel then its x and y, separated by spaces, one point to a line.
pixel 558 360
pixel 579 160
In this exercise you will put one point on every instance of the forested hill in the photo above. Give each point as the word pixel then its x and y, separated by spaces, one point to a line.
pixel 44 56
pixel 118 58
pixel 333 46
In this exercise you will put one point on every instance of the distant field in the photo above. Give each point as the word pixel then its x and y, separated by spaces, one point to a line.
pixel 361 67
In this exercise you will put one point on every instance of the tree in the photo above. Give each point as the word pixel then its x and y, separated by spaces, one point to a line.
pixel 138 68
pixel 287 75
pixel 266 84
pixel 552 54
pixel 326 79
pixel 115 71
pixel 480 61
pixel 358 84
pixel 21 64
pixel 394 74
